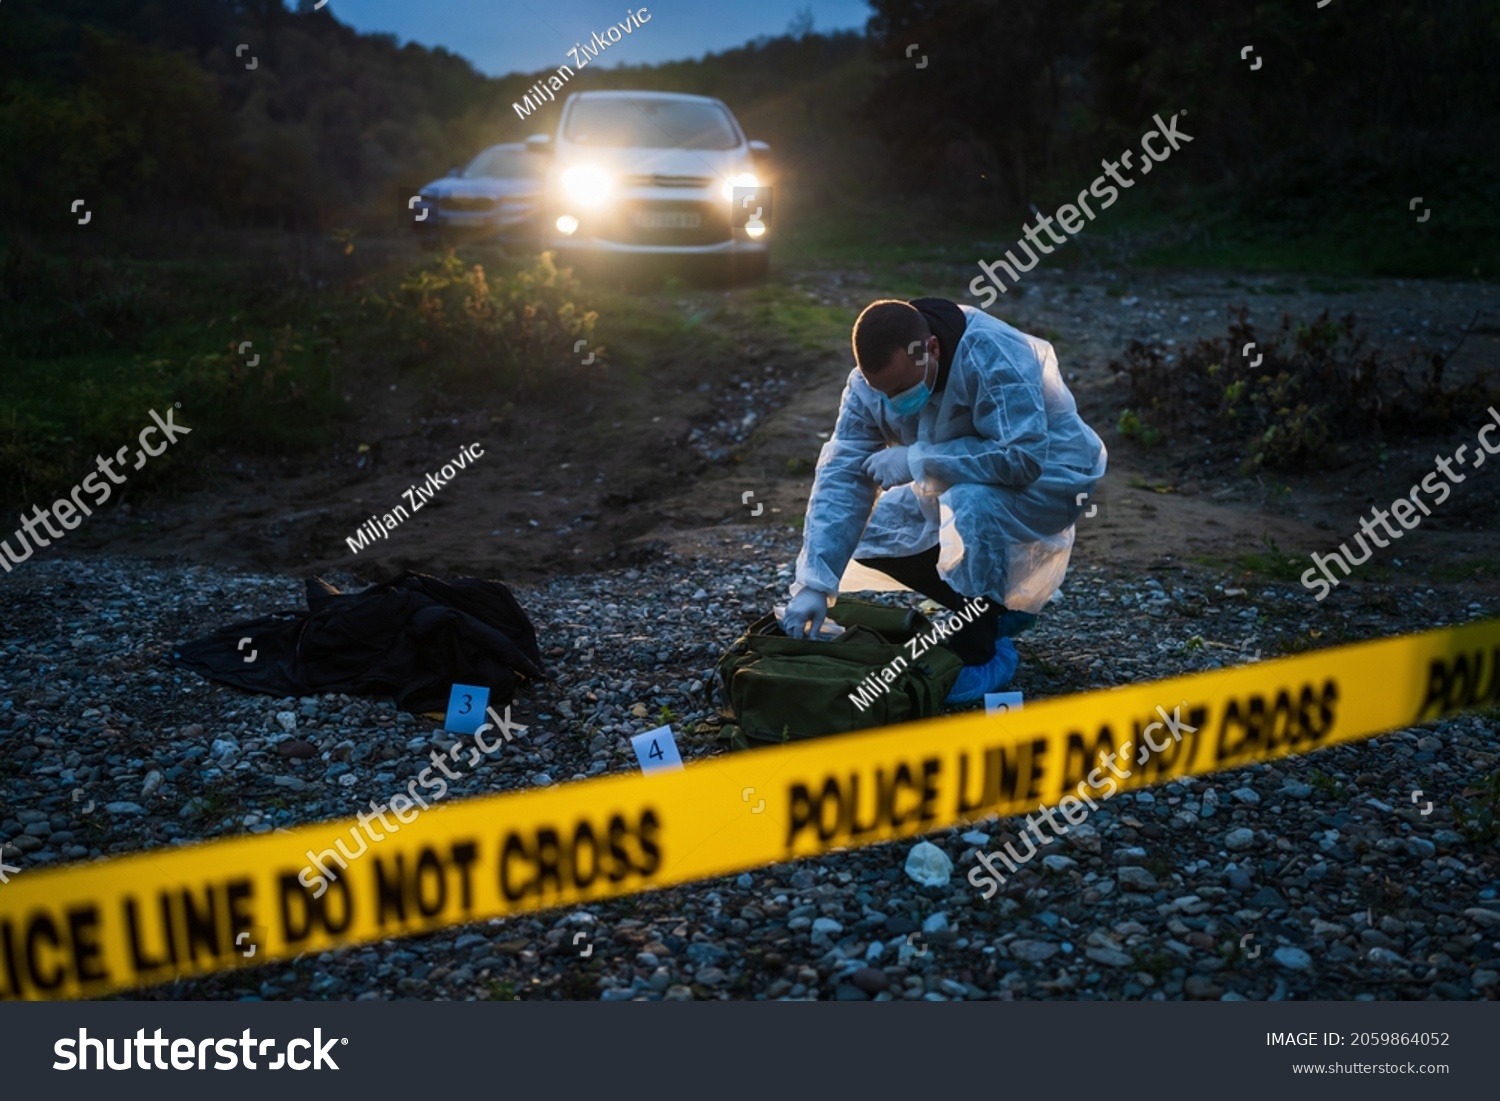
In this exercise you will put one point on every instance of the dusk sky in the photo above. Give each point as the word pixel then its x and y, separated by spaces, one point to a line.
pixel 506 36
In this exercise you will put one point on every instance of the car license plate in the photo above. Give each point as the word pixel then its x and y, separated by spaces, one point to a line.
pixel 667 219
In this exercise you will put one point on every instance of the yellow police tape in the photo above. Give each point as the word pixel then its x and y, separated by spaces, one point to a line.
pixel 174 913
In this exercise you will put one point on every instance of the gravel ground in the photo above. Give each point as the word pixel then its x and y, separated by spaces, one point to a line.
pixel 1316 877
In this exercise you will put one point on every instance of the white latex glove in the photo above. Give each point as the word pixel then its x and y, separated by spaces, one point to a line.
pixel 889 467
pixel 805 614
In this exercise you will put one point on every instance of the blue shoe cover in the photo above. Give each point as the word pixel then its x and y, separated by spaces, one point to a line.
pixel 975 680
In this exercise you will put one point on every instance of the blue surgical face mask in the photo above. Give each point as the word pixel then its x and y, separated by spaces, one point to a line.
pixel 911 400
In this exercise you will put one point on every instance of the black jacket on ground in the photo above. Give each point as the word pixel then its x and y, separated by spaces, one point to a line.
pixel 412 637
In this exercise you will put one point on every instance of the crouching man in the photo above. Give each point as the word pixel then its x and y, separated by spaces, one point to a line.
pixel 957 467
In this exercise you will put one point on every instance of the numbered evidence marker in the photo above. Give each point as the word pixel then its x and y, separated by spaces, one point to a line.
pixel 998 703
pixel 466 708
pixel 655 749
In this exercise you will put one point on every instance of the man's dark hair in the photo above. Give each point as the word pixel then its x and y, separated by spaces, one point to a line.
pixel 882 328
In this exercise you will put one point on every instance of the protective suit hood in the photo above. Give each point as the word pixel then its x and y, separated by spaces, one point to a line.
pixel 947 322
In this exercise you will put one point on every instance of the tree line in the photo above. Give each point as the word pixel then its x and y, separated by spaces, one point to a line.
pixel 154 110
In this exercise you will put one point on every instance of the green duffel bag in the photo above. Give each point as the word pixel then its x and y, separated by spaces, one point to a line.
pixel 776 689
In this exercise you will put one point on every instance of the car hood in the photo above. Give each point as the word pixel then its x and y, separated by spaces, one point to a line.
pixel 662 162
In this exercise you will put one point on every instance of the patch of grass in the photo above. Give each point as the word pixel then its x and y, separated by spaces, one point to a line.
pixel 94 830
pixel 1335 634
pixel 1044 666
pixel 214 803
pixel 67 401
pixel 1156 964
pixel 1377 240
pixel 1388 603
pixel 1471 570
pixel 1326 784
pixel 1476 812
pixel 881 236
pixel 799 319
pixel 1137 481
pixel 1132 427
pixel 1319 285
pixel 1271 562
pixel 252 352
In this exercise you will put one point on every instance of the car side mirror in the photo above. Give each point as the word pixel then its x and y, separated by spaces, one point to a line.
pixel 760 148
pixel 454 171
pixel 539 143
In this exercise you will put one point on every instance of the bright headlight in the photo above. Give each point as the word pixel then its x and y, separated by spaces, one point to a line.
pixel 586 185
pixel 744 179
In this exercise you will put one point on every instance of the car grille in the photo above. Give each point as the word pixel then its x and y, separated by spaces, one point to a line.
pixel 472 204
pixel 667 181
pixel 713 227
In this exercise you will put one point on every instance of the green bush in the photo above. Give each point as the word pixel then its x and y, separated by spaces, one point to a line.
pixel 503 334
pixel 1294 397
pixel 61 307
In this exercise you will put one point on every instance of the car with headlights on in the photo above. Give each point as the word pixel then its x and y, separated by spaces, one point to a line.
pixel 497 194
pixel 633 175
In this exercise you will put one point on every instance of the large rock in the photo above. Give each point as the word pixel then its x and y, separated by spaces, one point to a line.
pixel 929 865
pixel 1032 951
pixel 1133 878
pixel 1237 840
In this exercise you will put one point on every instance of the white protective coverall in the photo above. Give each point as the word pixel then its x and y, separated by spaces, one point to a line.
pixel 1000 459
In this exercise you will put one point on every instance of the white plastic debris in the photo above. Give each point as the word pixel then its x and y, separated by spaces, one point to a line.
pixel 928 865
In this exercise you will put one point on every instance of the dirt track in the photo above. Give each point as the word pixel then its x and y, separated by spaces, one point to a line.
pixel 580 481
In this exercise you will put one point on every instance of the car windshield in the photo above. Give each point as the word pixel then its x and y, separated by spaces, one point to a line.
pixel 651 124
pixel 503 164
